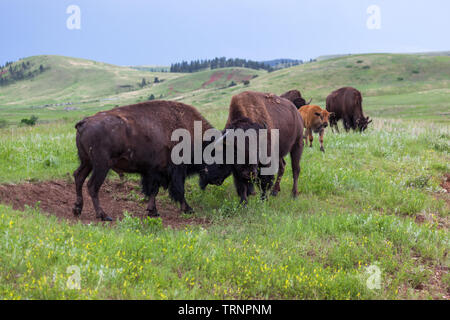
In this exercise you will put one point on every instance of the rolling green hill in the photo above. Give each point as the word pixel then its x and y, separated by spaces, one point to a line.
pixel 71 80
pixel 393 85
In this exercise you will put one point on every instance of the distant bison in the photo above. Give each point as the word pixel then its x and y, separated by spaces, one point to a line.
pixel 296 98
pixel 270 112
pixel 346 104
pixel 135 139
pixel 315 120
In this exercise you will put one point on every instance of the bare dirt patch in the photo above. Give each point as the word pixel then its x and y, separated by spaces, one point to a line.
pixel 214 77
pixel 57 198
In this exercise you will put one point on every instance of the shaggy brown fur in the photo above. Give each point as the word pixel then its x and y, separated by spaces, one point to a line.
pixel 346 103
pixel 135 139
pixel 315 120
pixel 273 112
pixel 295 97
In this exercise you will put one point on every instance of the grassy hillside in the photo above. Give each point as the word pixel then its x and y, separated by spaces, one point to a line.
pixel 400 86
pixel 73 80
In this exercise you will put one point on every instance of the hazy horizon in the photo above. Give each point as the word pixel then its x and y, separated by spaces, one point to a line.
pixel 139 32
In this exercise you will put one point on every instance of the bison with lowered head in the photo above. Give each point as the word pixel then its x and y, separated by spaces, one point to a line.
pixel 296 98
pixel 136 139
pixel 252 110
pixel 346 104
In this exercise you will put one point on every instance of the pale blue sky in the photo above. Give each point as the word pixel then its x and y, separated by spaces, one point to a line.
pixel 135 32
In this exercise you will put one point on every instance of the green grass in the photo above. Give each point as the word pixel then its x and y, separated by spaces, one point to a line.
pixel 357 208
pixel 359 203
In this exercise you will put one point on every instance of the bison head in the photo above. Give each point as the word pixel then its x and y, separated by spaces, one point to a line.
pixel 321 120
pixel 296 98
pixel 216 173
pixel 362 123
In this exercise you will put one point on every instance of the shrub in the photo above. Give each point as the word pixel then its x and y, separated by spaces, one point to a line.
pixel 3 123
pixel 152 97
pixel 29 122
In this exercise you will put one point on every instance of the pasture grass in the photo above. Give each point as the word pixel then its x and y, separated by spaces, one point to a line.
pixel 357 209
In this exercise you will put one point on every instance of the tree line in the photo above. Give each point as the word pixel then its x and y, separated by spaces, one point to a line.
pixel 11 72
pixel 198 65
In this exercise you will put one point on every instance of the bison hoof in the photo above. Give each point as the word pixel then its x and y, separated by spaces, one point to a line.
pixel 322 149
pixel 187 209
pixel 77 211
pixel 106 218
pixel 295 194
pixel 153 213
pixel 275 192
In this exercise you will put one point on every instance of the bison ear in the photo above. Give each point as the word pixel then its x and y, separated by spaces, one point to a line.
pixel 317 114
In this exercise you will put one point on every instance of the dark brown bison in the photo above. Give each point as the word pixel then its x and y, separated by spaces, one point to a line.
pixel 253 109
pixel 296 98
pixel 136 139
pixel 315 120
pixel 346 104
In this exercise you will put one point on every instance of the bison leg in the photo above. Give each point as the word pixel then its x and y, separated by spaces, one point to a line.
pixel 335 126
pixel 80 176
pixel 311 138
pixel 321 140
pixel 276 188
pixel 296 154
pixel 95 182
pixel 265 183
pixel 150 188
pixel 241 188
pixel 250 190
pixel 176 188
pixel 347 124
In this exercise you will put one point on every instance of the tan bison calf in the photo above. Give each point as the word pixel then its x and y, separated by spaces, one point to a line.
pixel 315 120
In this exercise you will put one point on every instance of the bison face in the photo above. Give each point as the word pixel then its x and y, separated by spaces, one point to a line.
pixel 214 174
pixel 362 123
pixel 321 120
pixel 247 172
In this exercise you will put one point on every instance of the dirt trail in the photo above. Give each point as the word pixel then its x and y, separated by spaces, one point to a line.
pixel 57 198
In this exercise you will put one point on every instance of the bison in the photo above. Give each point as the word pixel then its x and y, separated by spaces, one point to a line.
pixel 315 120
pixel 136 139
pixel 267 111
pixel 346 104
pixel 296 98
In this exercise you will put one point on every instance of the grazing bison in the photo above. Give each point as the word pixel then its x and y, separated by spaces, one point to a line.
pixel 136 139
pixel 296 98
pixel 250 109
pixel 315 120
pixel 346 104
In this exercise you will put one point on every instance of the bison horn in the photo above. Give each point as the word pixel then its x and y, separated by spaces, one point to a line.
pixel 309 102
pixel 221 138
